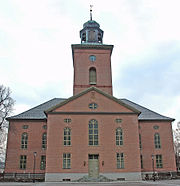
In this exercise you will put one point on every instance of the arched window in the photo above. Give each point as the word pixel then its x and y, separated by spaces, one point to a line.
pixel 119 136
pixel 157 141
pixel 93 132
pixel 92 76
pixel 44 140
pixel 24 140
pixel 67 136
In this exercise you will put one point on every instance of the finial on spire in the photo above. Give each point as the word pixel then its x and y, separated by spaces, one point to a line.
pixel 91 12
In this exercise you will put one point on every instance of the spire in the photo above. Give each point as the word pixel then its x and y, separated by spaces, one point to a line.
pixel 91 12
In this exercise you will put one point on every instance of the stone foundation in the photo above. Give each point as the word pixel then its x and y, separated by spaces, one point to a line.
pixel 55 177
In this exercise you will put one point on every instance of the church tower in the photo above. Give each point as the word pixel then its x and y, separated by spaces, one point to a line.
pixel 92 60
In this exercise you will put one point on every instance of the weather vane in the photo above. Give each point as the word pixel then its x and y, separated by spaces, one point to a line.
pixel 91 12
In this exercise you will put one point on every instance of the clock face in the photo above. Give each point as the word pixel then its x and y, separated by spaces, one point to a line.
pixel 92 58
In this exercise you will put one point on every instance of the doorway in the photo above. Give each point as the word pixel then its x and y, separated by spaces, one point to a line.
pixel 93 165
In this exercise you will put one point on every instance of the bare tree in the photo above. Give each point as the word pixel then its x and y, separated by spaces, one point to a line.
pixel 177 144
pixel 6 104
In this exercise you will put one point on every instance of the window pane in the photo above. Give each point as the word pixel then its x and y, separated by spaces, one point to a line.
pixel 93 132
pixel 119 136
pixel 24 140
pixel 67 136
pixel 120 160
pixel 44 140
pixel 92 76
pixel 23 159
pixel 157 141
pixel 66 161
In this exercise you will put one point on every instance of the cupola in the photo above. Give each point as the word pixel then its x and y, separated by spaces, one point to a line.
pixel 91 32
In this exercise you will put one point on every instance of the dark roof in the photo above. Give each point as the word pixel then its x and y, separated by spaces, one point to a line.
pixel 91 23
pixel 146 114
pixel 38 112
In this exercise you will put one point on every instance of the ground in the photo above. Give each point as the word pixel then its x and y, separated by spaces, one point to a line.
pixel 125 183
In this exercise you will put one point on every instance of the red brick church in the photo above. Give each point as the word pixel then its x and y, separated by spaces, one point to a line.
pixel 92 133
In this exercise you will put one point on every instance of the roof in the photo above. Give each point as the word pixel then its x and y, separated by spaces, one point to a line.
pixel 91 23
pixel 38 112
pixel 147 114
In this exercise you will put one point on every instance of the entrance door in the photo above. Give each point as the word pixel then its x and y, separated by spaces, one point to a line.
pixel 93 165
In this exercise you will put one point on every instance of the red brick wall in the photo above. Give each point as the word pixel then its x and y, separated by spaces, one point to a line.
pixel 80 148
pixel 35 131
pixel 167 149
pixel 82 64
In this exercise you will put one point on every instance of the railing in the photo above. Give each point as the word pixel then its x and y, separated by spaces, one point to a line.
pixel 22 177
pixel 161 176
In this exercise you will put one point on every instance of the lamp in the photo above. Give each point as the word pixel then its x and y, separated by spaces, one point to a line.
pixel 34 153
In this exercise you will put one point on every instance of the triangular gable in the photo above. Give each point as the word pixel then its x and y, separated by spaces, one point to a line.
pixel 79 103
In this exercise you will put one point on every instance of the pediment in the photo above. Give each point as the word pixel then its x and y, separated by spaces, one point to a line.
pixel 81 103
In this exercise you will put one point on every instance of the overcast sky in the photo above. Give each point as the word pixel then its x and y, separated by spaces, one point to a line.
pixel 36 57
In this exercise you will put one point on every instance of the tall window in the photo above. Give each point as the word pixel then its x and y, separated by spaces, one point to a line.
pixel 67 136
pixel 157 141
pixel 140 143
pixel 119 136
pixel 120 160
pixel 24 140
pixel 93 132
pixel 141 157
pixel 43 162
pixel 92 76
pixel 66 161
pixel 23 161
pixel 159 163
pixel 44 140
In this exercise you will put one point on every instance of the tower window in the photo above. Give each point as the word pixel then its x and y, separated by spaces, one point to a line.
pixel 91 36
pixel 99 38
pixel 92 58
pixel 83 37
pixel 92 76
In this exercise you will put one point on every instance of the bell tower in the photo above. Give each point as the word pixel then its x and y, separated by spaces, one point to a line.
pixel 92 60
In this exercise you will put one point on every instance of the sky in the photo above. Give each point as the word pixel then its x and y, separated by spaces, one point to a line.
pixel 36 56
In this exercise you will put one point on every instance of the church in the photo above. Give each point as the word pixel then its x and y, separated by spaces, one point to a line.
pixel 91 134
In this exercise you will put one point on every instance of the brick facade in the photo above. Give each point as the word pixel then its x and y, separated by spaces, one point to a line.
pixel 125 135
